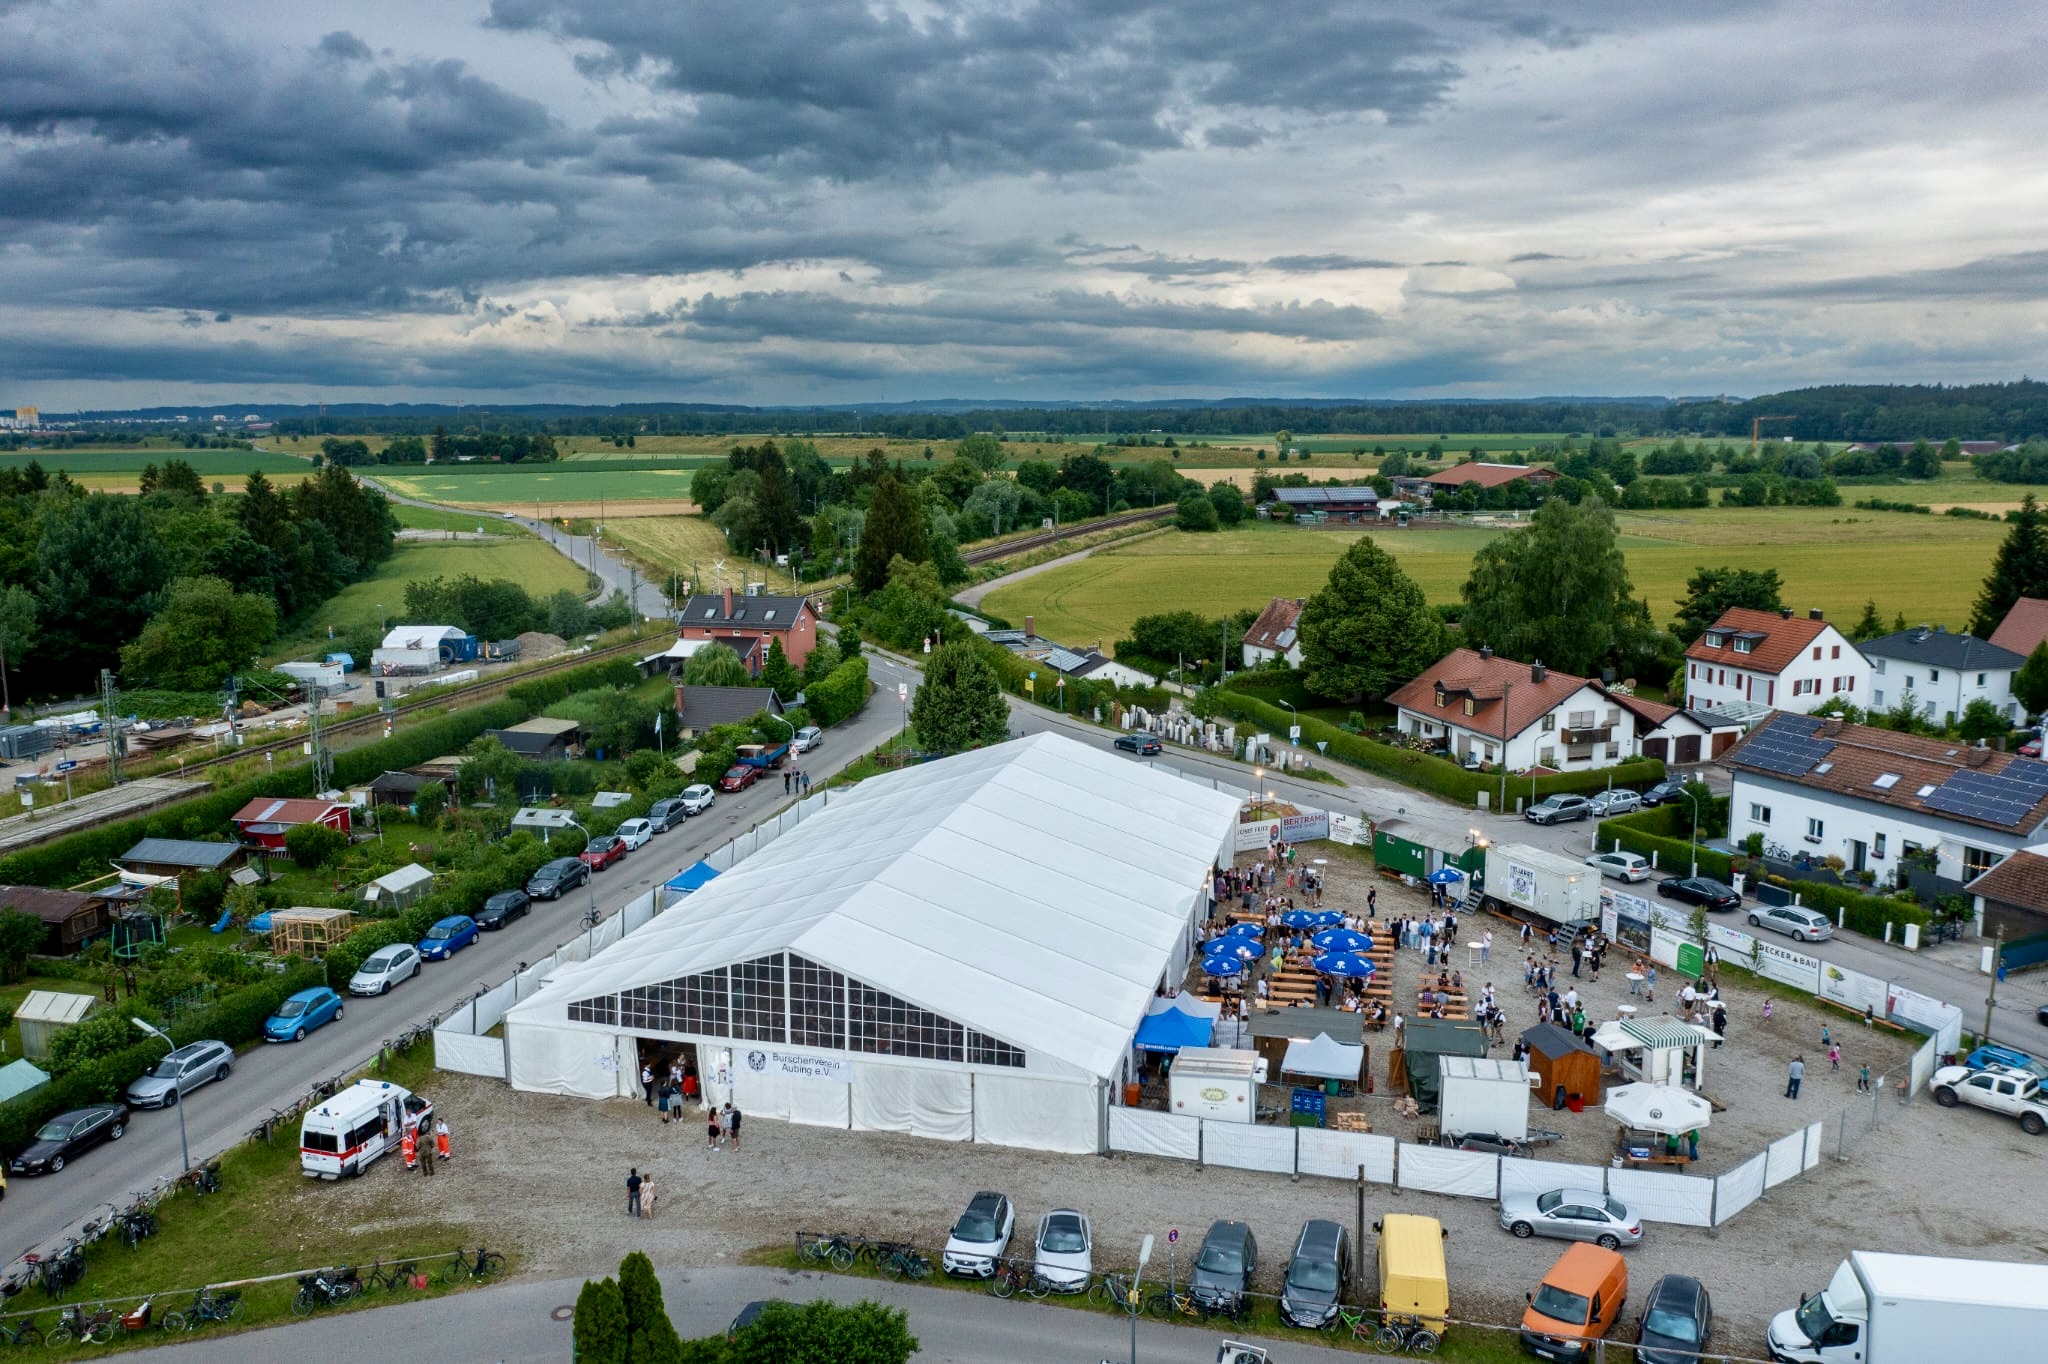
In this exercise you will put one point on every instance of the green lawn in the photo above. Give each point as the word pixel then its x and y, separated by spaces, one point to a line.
pixel 1926 567
pixel 534 491
pixel 433 518
pixel 528 562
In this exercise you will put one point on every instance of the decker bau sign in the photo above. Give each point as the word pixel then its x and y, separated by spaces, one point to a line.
pixel 798 1065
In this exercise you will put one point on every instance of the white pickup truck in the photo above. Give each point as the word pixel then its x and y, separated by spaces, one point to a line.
pixel 2015 1093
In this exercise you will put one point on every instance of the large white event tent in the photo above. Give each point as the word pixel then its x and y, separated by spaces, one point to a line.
pixel 961 950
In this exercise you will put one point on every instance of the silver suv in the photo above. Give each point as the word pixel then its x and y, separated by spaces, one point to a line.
pixel 184 1070
pixel 1554 809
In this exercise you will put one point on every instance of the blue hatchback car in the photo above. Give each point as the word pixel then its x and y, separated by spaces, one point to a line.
pixel 301 1013
pixel 448 937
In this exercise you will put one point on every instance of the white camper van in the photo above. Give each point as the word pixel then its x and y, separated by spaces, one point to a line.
pixel 344 1134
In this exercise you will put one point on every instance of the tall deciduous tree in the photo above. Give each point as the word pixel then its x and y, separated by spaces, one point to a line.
pixel 100 573
pixel 777 521
pixel 1710 591
pixel 205 632
pixel 985 450
pixel 1369 629
pixel 715 665
pixel 2030 683
pixel 1558 591
pixel 2020 569
pixel 17 637
pixel 960 703
pixel 894 527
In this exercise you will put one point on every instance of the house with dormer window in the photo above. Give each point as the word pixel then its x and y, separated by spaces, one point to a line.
pixel 1486 709
pixel 1748 663
pixel 749 624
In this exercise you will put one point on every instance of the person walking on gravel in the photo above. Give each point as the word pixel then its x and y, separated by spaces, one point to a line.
pixel 1794 1073
pixel 647 1197
pixel 633 1186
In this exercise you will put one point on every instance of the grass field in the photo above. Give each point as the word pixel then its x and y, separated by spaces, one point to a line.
pixel 1926 567
pixel 533 565
pixel 533 491
pixel 688 546
pixel 433 518
pixel 120 470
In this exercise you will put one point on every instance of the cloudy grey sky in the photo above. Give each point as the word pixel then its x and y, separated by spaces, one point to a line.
pixel 826 200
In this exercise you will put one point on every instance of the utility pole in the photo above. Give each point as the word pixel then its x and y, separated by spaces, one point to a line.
pixel 1991 995
pixel 113 740
pixel 323 761
pixel 1507 695
pixel 1756 428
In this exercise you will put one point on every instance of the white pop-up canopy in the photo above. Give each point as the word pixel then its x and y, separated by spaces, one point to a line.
pixel 1323 1057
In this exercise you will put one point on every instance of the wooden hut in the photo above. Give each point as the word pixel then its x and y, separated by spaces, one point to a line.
pixel 307 932
pixel 1563 1065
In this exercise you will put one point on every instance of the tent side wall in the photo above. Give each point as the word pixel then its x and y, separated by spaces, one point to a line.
pixel 558 1057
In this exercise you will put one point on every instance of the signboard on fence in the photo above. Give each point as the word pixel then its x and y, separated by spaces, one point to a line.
pixel 1348 829
pixel 1630 915
pixel 1306 826
pixel 799 1066
pixel 1853 988
pixel 1924 1012
pixel 1518 884
pixel 1783 964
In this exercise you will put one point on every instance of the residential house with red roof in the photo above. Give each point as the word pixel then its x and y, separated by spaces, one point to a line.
pixel 1750 662
pixel 749 624
pixel 2024 628
pixel 1486 709
pixel 1275 634
pixel 1488 475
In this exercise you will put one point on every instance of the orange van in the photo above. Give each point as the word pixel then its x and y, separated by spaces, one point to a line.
pixel 1577 1303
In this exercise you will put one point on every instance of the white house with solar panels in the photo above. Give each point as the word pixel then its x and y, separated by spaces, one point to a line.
pixel 1868 796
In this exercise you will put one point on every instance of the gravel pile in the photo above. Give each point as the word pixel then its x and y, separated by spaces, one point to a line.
pixel 535 644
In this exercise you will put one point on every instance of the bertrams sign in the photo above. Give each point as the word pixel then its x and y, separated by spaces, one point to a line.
pixel 797 1065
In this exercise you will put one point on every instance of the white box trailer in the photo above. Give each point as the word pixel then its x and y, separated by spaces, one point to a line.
pixel 1908 1309
pixel 1541 884
pixel 1215 1083
pixel 1480 1094
pixel 323 675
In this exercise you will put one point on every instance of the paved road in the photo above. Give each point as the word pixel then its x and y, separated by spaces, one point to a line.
pixel 514 1324
pixel 649 599
pixel 266 1078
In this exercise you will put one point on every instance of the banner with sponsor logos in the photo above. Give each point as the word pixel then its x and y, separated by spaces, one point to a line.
pixel 798 1065
pixel 1349 829
pixel 1782 963
pixel 1305 826
pixel 1854 989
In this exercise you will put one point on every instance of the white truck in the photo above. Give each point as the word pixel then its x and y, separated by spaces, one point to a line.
pixel 2015 1093
pixel 1215 1083
pixel 1912 1309
pixel 1539 883
pixel 354 1126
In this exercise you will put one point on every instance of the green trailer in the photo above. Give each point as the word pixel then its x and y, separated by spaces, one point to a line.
pixel 1403 845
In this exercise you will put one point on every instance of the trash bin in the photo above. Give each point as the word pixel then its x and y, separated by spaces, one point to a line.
pixel 1131 1093
pixel 1575 1102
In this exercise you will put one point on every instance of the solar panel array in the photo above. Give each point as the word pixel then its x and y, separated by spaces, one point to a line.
pixel 1786 748
pixel 1066 660
pixel 2002 798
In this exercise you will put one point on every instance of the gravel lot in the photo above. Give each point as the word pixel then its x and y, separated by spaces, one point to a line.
pixel 548 1173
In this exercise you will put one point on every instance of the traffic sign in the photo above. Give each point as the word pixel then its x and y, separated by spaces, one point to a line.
pixel 1294 734
pixel 1172 1235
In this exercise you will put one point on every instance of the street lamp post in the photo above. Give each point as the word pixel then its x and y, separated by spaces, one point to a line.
pixel 1144 1255
pixel 177 1099
pixel 1694 843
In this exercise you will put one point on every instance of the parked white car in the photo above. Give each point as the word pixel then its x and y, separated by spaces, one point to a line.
pixel 1619 801
pixel 1065 1250
pixel 697 799
pixel 1622 866
pixel 807 738
pixel 384 968
pixel 634 833
pixel 1806 925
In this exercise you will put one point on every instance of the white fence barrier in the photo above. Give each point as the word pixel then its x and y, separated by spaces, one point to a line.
pixel 1922 1068
pixel 1246 1146
pixel 1787 1155
pixel 1433 1169
pixel 1739 1188
pixel 1142 1131
pixel 1541 1176
pixel 1812 1157
pixel 1337 1155
pixel 469 1055
pixel 1686 1200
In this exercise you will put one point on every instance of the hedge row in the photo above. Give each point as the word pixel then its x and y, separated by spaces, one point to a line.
pixel 1423 771
pixel 839 695
pixel 1867 914
pixel 540 692
pixel 88 854
pixel 234 1018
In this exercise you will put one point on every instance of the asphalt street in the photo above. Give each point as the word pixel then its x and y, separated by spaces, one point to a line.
pixel 523 1322
pixel 40 1210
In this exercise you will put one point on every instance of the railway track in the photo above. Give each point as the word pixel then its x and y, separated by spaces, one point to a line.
pixel 1009 547
pixel 473 692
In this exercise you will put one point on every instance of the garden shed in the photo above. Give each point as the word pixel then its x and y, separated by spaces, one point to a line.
pixel 46 1013
pixel 1563 1065
pixel 394 890
pixel 308 932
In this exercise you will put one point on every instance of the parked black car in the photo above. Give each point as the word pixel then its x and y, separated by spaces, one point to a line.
pixel 1701 890
pixel 562 874
pixel 68 1134
pixel 1142 744
pixel 1222 1272
pixel 1316 1274
pixel 503 908
pixel 1677 1320
pixel 1665 790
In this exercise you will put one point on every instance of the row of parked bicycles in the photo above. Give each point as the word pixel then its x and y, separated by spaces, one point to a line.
pixel 897 1259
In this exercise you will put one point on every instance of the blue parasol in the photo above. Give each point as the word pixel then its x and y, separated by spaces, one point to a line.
pixel 1245 931
pixel 1310 918
pixel 1443 876
pixel 1342 940
pixel 1242 948
pixel 1222 965
pixel 1343 964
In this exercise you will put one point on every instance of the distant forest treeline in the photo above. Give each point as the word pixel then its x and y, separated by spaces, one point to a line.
pixel 2012 412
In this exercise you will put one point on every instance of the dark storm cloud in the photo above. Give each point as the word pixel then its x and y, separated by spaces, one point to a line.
pixel 344 46
pixel 1534 256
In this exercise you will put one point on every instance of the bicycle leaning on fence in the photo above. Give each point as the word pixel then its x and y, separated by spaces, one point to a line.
pixel 1405 1334
pixel 905 1263
pixel 480 1265
pixel 1116 1293
pixel 1018 1276
pixel 836 1249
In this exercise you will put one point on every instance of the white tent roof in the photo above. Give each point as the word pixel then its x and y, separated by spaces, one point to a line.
pixel 419 636
pixel 404 879
pixel 1325 1057
pixel 1187 1004
pixel 1035 891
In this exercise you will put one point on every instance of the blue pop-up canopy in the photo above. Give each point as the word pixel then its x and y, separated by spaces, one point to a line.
pixel 1170 1030
pixel 693 878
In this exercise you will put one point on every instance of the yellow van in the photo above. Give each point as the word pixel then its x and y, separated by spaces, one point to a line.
pixel 1413 1280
